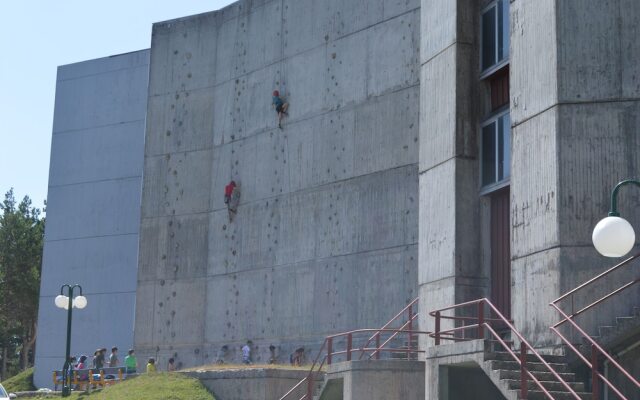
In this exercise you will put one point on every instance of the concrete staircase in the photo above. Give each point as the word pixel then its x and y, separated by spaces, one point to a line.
pixel 618 334
pixel 504 372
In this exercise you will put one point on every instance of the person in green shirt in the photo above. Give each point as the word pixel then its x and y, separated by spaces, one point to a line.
pixel 151 365
pixel 130 362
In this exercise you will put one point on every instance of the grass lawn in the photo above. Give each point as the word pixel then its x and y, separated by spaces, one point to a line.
pixel 23 382
pixel 159 386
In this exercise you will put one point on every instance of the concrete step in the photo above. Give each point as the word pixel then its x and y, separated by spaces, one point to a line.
pixel 531 366
pixel 605 330
pixel 539 395
pixel 549 385
pixel 541 376
pixel 504 356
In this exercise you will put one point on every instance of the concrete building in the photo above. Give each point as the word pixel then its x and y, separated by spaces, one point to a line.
pixel 93 207
pixel 453 150
pixel 326 234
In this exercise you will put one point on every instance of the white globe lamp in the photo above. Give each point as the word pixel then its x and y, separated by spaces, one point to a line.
pixel 62 301
pixel 613 237
pixel 80 302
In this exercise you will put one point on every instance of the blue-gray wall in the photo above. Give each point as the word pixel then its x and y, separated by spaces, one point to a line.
pixel 93 206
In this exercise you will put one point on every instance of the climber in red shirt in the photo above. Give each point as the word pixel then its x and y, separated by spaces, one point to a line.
pixel 228 190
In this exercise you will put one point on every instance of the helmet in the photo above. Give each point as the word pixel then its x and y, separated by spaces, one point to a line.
pixel 276 93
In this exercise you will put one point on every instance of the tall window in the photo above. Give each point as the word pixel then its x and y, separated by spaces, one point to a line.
pixel 494 49
pixel 495 155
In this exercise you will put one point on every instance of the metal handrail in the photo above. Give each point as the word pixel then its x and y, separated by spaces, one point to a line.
pixel 595 303
pixel 308 377
pixel 482 324
pixel 596 278
pixel 408 307
pixel 322 358
pixel 377 351
pixel 596 349
pixel 589 364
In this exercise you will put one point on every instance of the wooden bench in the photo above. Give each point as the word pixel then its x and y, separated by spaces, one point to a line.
pixel 106 376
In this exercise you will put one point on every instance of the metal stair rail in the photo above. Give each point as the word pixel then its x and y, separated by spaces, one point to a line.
pixel 327 354
pixel 408 325
pixel 479 325
pixel 596 350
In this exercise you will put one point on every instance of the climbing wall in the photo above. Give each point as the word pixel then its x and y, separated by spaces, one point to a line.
pixel 325 238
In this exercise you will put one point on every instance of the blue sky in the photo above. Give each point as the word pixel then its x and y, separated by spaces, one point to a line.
pixel 35 38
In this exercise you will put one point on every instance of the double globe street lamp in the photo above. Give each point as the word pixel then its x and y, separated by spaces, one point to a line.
pixel 614 236
pixel 68 302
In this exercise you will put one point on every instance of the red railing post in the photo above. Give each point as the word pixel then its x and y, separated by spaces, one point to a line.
pixel 481 320
pixel 410 333
pixel 595 384
pixel 523 371
pixel 437 328
pixel 329 350
pixel 309 387
pixel 349 344
pixel 377 345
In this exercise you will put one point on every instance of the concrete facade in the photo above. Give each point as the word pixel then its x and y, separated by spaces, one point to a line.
pixel 573 110
pixel 326 234
pixel 93 207
pixel 370 194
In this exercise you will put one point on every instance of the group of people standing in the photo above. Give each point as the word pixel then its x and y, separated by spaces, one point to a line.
pixel 100 360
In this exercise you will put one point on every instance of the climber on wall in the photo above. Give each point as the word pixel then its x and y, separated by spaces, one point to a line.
pixel 281 107
pixel 231 198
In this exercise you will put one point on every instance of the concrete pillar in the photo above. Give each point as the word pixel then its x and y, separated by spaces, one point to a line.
pixel 574 105
pixel 449 269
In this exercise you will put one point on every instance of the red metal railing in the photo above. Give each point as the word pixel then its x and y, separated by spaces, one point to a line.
pixel 597 352
pixel 483 325
pixel 327 357
pixel 408 325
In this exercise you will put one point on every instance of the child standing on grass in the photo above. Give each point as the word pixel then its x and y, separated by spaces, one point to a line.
pixel 151 365
pixel 130 362
pixel 113 358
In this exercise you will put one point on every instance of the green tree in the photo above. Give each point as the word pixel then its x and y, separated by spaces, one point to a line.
pixel 21 240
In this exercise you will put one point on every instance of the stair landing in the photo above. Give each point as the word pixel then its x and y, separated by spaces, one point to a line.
pixel 500 373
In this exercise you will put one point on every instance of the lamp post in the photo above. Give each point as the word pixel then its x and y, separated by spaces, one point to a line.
pixel 614 236
pixel 67 302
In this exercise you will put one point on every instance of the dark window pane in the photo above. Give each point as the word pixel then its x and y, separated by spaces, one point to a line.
pixel 503 30
pixel 489 154
pixel 488 38
pixel 505 122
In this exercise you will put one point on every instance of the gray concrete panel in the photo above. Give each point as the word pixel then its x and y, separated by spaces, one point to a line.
pixel 171 181
pixel 111 64
pixel 534 58
pixel 597 145
pixel 598 51
pixel 437 224
pixel 537 273
pixel 181 62
pixel 534 198
pixel 438 28
pixel 99 263
pixel 438 96
pixel 174 247
pixel 93 207
pixel 77 106
pixel 189 125
pixel 94 154
pixel 98 208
